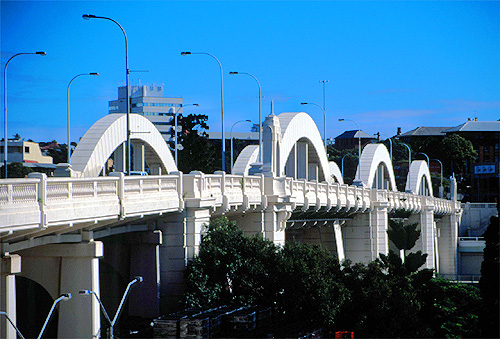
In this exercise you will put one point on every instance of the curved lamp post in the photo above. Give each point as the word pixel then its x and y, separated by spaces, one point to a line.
pixel 231 136
pixel 441 189
pixel 342 162
pixel 426 156
pixel 69 140
pixel 359 147
pixel 64 297
pixel 221 104
pixel 112 323
pixel 409 155
pixel 324 119
pixel 6 148
pixel 13 325
pixel 260 116
pixel 91 16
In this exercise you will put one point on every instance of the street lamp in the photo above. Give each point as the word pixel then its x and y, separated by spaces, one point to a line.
pixel 260 115
pixel 6 148
pixel 64 297
pixel 69 140
pixel 426 156
pixel 409 155
pixel 359 147
pixel 441 190
pixel 221 104
pixel 175 133
pixel 13 325
pixel 91 16
pixel 112 323
pixel 231 136
pixel 324 119
pixel 342 163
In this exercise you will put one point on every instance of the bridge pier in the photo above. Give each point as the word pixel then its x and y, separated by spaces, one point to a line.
pixel 9 266
pixel 68 268
pixel 426 241
pixel 447 244
pixel 325 234
pixel 365 236
pixel 181 240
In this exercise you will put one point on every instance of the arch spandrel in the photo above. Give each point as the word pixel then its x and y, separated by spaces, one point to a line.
pixel 245 158
pixel 294 127
pixel 108 133
pixel 372 156
pixel 418 171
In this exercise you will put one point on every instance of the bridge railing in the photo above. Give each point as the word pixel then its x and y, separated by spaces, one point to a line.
pixel 42 201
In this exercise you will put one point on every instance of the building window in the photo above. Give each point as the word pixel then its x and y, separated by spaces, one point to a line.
pixel 26 149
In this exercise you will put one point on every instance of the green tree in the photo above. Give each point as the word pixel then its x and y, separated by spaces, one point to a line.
pixel 489 283
pixel 198 153
pixel 16 170
pixel 457 152
pixel 350 161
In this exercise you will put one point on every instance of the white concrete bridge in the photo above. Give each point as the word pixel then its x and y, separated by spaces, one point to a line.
pixel 85 231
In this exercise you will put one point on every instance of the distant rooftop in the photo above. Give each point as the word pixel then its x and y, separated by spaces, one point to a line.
pixel 476 126
pixel 426 131
pixel 354 134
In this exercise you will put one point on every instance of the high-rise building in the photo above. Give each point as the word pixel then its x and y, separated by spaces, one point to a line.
pixel 148 101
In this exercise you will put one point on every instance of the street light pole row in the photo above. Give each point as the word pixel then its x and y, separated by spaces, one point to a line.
pixel 69 140
pixel 6 147
pixel 91 16
pixel 221 104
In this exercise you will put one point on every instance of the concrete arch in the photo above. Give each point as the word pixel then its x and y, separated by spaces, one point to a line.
pixel 297 126
pixel 245 158
pixel 108 133
pixel 372 157
pixel 419 179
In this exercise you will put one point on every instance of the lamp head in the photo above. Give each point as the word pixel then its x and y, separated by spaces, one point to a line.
pixel 88 16
pixel 196 104
pixel 41 53
pixel 94 73
pixel 84 292
pixel 341 119
pixel 185 53
pixel 138 279
pixel 233 73
pixel 66 296
pixel 248 120
pixel 303 103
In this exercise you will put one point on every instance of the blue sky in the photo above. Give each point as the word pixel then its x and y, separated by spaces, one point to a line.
pixel 389 64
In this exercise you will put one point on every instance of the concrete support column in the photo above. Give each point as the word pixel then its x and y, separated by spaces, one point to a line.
pixel 302 160
pixel 365 237
pixel 339 242
pixel 9 266
pixel 291 164
pixel 425 242
pixel 144 262
pixel 448 244
pixel 119 159
pixel 181 240
pixel 275 224
pixel 69 268
pixel 139 153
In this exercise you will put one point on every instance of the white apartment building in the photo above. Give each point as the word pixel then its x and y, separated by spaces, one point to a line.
pixel 148 101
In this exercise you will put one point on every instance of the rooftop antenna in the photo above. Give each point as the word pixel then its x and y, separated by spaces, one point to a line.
pixel 272 107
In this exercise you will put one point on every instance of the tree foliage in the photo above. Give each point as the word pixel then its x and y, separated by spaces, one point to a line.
pixel 198 152
pixel 458 152
pixel 307 286
pixel 15 170
pixel 489 283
